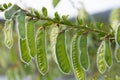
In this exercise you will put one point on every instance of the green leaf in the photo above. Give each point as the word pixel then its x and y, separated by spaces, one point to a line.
pixel 57 17
pixel 108 53
pixel 37 13
pixel 79 73
pixel 8 33
pixel 10 12
pixel 80 21
pixel 9 4
pixel 5 6
pixel 84 59
pixel 31 37
pixel 61 53
pixel 44 11
pixel 24 51
pixel 101 65
pixel 41 61
pixel 21 24
pixel 55 2
pixel 117 35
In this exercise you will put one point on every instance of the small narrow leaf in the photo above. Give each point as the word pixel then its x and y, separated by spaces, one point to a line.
pixel 108 53
pixel 42 64
pixel 5 6
pixel 31 37
pixel 24 51
pixel 44 11
pixel 79 73
pixel 57 17
pixel 80 21
pixel 84 59
pixel 21 24
pixel 117 35
pixel 8 33
pixel 55 2
pixel 9 4
pixel 101 65
pixel 117 54
pixel 37 13
pixel 61 54
pixel 10 12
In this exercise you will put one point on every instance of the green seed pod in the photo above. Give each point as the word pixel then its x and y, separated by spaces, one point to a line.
pixel 8 33
pixel 31 37
pixel 61 53
pixel 115 18
pixel 11 11
pixel 117 54
pixel 79 73
pixel 24 51
pixel 41 52
pixel 21 24
pixel 117 35
pixel 101 65
pixel 84 59
pixel 53 38
pixel 108 53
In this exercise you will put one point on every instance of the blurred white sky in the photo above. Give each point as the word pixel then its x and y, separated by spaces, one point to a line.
pixel 65 7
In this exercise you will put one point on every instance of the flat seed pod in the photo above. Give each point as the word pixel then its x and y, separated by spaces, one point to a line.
pixel 24 51
pixel 84 59
pixel 117 35
pixel 31 37
pixel 41 52
pixel 8 33
pixel 11 11
pixel 61 53
pixel 117 54
pixel 53 38
pixel 79 72
pixel 108 53
pixel 21 24
pixel 101 65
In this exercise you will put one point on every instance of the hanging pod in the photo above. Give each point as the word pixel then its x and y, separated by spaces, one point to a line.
pixel 101 65
pixel 108 53
pixel 117 53
pixel 8 33
pixel 21 24
pixel 53 38
pixel 117 35
pixel 31 37
pixel 79 72
pixel 24 51
pixel 83 48
pixel 61 53
pixel 41 61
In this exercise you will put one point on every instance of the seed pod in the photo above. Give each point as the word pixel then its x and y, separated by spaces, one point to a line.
pixel 117 54
pixel 53 38
pixel 8 33
pixel 108 53
pixel 21 24
pixel 61 53
pixel 31 37
pixel 24 51
pixel 101 58
pixel 79 73
pixel 41 52
pixel 84 59
pixel 10 12
pixel 117 35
